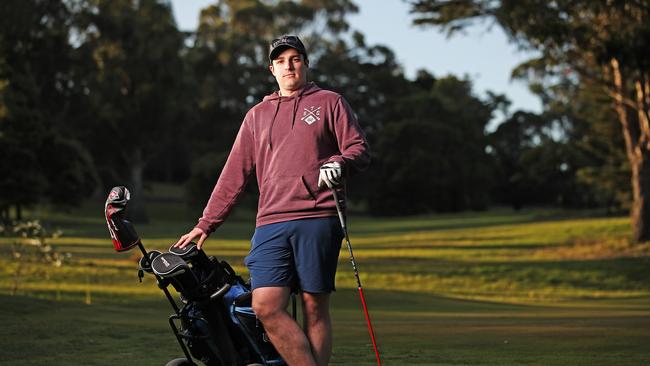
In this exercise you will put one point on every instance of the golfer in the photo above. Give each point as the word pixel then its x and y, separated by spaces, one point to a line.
pixel 300 142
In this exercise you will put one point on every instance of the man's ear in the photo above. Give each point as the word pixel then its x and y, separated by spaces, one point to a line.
pixel 271 69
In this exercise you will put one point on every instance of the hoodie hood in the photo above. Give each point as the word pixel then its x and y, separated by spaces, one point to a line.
pixel 308 88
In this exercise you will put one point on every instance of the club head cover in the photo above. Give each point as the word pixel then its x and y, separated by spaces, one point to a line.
pixel 186 252
pixel 122 231
pixel 169 265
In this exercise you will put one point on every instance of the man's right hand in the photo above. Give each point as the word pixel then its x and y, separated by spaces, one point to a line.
pixel 189 237
pixel 331 175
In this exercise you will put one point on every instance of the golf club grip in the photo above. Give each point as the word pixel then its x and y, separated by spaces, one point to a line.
pixel 370 330
pixel 339 211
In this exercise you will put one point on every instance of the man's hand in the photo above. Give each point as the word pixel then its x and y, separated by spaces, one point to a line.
pixel 187 238
pixel 331 175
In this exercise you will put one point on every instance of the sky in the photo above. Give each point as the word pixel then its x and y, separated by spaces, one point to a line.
pixel 483 54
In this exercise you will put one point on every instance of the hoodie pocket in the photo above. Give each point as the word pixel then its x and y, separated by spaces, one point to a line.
pixel 286 194
pixel 311 193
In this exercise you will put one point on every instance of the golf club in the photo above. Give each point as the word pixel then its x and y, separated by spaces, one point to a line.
pixel 356 274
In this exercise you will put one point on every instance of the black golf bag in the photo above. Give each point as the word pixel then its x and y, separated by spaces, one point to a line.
pixel 215 323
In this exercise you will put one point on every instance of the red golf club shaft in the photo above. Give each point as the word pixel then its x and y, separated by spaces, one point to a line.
pixel 372 333
pixel 356 275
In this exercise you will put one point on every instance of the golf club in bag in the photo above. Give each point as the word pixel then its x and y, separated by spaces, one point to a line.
pixel 215 323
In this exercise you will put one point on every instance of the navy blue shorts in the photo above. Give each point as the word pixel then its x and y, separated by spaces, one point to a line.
pixel 299 253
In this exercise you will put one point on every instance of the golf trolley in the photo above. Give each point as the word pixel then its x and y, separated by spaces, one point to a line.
pixel 216 323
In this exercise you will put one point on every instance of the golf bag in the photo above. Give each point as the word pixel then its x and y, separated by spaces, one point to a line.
pixel 216 323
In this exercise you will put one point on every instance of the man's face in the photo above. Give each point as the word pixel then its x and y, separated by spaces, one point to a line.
pixel 290 71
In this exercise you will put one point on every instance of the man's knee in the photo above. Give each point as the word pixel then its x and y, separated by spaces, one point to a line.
pixel 316 307
pixel 265 312
pixel 269 303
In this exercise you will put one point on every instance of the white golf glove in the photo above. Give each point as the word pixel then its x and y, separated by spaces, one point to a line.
pixel 331 175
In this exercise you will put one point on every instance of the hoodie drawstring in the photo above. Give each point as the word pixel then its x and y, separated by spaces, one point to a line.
pixel 277 108
pixel 295 108
pixel 296 102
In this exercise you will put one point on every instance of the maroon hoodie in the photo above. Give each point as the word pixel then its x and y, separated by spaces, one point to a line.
pixel 285 140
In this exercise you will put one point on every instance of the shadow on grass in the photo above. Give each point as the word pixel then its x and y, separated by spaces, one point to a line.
pixel 464 220
pixel 611 274
pixel 436 246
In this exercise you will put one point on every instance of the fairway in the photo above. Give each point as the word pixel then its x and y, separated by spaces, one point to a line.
pixel 538 287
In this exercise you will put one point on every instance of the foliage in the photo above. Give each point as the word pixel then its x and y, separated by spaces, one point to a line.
pixel 433 158
pixel 605 170
pixel 537 164
pixel 36 75
pixel 70 171
pixel 205 172
pixel 132 54
pixel 595 44
pixel 22 183
pixel 32 251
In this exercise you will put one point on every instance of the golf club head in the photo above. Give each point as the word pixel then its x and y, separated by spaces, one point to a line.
pixel 122 231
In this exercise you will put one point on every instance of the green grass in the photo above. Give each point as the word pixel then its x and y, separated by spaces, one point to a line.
pixel 537 287
pixel 412 329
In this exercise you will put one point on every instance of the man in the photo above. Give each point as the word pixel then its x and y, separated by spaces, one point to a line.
pixel 300 141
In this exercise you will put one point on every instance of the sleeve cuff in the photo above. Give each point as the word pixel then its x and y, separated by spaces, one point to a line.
pixel 204 226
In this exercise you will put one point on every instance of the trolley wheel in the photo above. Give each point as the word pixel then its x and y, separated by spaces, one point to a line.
pixel 180 362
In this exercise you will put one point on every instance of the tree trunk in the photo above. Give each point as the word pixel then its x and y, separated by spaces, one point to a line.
pixel 641 197
pixel 136 211
pixel 633 117
pixel 641 173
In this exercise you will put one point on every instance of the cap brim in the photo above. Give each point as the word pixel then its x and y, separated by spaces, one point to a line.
pixel 278 50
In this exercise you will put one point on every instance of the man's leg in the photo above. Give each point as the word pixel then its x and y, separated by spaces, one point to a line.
pixel 270 306
pixel 318 325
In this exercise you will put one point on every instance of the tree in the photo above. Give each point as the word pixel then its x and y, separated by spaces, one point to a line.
pixel 417 172
pixel 134 87
pixel 585 115
pixel 36 85
pixel 604 41
pixel 507 144
pixel 433 157
pixel 69 169
pixel 205 172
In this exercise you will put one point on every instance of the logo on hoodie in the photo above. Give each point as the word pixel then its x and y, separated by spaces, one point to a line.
pixel 311 115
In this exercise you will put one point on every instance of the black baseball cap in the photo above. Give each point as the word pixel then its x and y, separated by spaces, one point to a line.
pixel 287 41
